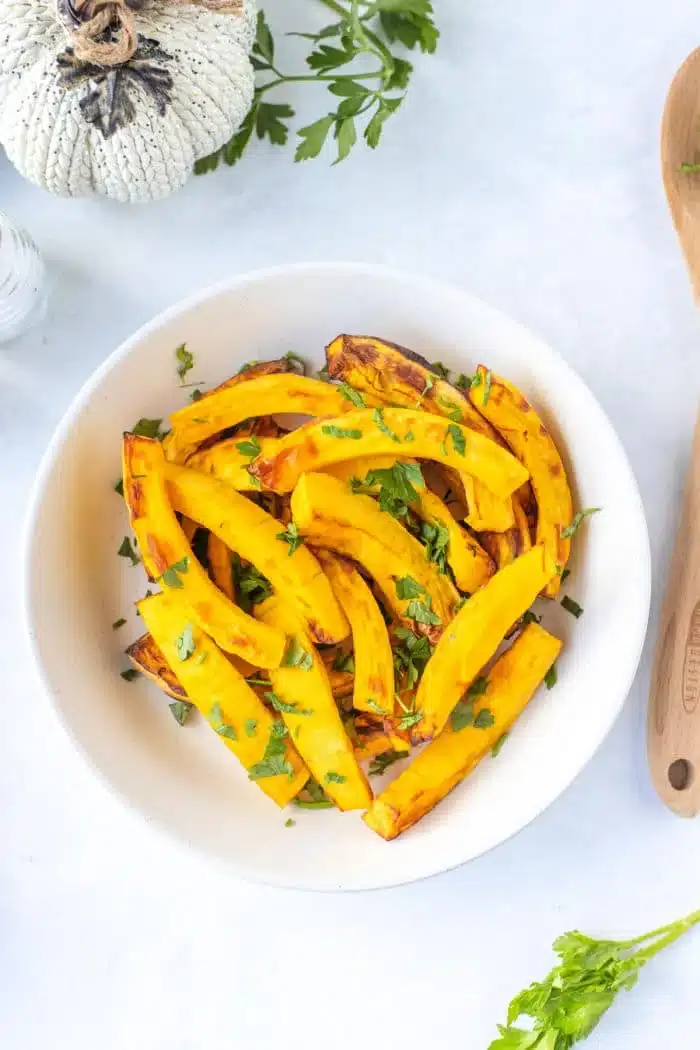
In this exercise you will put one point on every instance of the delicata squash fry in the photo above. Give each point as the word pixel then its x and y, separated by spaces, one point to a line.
pixel 331 516
pixel 367 432
pixel 169 559
pixel 373 688
pixel 362 571
pixel 513 416
pixel 258 538
pixel 474 636
pixel 225 699
pixel 263 396
pixel 445 762
pixel 302 693
pixel 397 376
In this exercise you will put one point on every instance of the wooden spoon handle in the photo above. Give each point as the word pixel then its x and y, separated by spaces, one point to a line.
pixel 674 702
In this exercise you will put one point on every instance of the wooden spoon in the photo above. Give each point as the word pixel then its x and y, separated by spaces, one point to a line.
pixel 673 742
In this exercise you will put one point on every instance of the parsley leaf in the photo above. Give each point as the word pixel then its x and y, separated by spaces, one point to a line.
pixel 485 719
pixel 126 550
pixel 273 763
pixel 462 715
pixel 181 711
pixel 409 719
pixel 578 518
pixel 130 674
pixel 184 644
pixel 465 382
pixel 216 721
pixel 292 536
pixel 487 387
pixel 297 656
pixel 118 623
pixel 288 709
pixel 410 655
pixel 341 432
pixel 148 428
pixel 344 662
pixel 374 706
pixel 436 539
pixel 251 586
pixel 185 361
pixel 378 417
pixel 250 447
pixel 566 1006
pixel 119 487
pixel 439 369
pixel 496 749
pixel 397 487
pixel 452 411
pixel 550 679
pixel 318 799
pixel 463 712
pixel 531 617
pixel 171 576
pixel 422 613
pixel 297 361
pixel 352 395
pixel 407 587
pixel 332 777
pixel 379 765
pixel 289 823
pixel 455 432
pixel 251 726
pixel 572 606
pixel 196 395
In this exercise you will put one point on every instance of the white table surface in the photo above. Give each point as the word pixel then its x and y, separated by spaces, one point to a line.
pixel 525 168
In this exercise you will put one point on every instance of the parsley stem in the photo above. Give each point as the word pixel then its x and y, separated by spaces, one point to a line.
pixel 282 79
pixel 379 45
pixel 671 931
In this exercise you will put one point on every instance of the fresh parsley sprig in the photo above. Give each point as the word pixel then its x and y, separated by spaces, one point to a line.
pixel 567 1005
pixel 353 55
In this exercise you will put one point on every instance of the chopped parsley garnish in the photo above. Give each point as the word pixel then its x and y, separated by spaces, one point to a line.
pixel 411 655
pixel 487 387
pixel 332 777
pixel 127 551
pixel 196 395
pixel 251 726
pixel 478 687
pixel 407 587
pixel 246 366
pixel 422 613
pixel 378 417
pixel 344 662
pixel 436 539
pixel 289 823
pixel 317 797
pixel 130 674
pixel 496 749
pixel 297 656
pixel 202 658
pixel 531 617
pixel 440 370
pixel 565 574
pixel 292 536
pixel 118 623
pixel 180 710
pixel 462 715
pixel 352 395
pixel 484 719
pixel 323 374
pixel 119 487
pixel 341 432
pixel 295 359
pixel 398 487
pixel 374 706
pixel 171 576
pixel 258 681
pixel 429 384
pixel 452 411
pixel 572 606
pixel 463 712
pixel 216 721
pixel 578 518
pixel 410 719
pixel 379 765
pixel 550 679
pixel 251 586
pixel 185 361
pixel 250 447
pixel 455 432
pixel 184 644
pixel 148 428
pixel 274 766
pixel 465 382
pixel 283 706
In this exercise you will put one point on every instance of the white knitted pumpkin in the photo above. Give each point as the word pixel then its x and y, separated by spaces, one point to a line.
pixel 134 131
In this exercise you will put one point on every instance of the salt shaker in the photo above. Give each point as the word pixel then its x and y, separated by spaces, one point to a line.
pixel 22 281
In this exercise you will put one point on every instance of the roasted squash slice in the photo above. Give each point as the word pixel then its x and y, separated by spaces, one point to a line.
pixel 147 658
pixel 373 688
pixel 225 699
pixel 366 432
pixel 302 692
pixel 331 516
pixel 512 682
pixel 168 558
pixel 505 547
pixel 264 396
pixel 474 636
pixel 254 535
pixel 523 430
pixel 229 460
pixel 470 564
pixel 220 567
pixel 400 377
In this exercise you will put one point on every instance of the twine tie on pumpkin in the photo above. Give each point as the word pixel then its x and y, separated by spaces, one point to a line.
pixel 106 35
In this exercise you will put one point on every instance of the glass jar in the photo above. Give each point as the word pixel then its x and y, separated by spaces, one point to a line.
pixel 22 281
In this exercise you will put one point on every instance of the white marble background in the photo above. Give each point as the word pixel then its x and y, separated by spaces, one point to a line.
pixel 525 167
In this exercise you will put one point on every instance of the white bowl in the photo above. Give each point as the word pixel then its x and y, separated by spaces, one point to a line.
pixel 183 779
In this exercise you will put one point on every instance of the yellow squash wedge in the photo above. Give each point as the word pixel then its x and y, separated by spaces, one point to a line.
pixel 189 528
pixel 367 432
pixel 168 557
pixel 263 396
pixel 220 567
pixel 373 688
pixel 474 636
pixel 227 702
pixel 332 516
pixel 253 534
pixel 438 769
pixel 505 547
pixel 147 658
pixel 515 419
pixel 470 564
pixel 398 376
pixel 302 692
